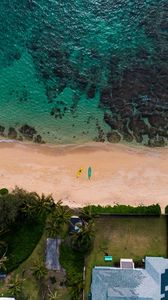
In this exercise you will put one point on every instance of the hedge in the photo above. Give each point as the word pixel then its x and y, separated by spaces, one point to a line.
pixel 152 210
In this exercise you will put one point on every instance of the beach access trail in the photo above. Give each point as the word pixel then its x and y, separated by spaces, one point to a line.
pixel 120 173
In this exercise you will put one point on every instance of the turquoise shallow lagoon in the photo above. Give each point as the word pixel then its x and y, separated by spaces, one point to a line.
pixel 78 71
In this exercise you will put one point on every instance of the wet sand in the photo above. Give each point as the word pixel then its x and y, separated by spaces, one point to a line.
pixel 121 174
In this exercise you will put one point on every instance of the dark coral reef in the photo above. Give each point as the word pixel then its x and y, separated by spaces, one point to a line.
pixel 117 50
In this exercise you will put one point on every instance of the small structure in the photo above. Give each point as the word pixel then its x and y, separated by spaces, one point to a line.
pixel 108 258
pixel 75 224
pixel 126 263
pixel 52 254
pixel 127 282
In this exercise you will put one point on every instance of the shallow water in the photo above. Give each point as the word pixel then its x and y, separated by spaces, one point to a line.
pixel 77 71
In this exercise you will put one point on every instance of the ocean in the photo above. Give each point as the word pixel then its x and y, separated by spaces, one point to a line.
pixel 84 70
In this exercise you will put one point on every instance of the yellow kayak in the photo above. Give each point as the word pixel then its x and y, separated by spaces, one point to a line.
pixel 79 172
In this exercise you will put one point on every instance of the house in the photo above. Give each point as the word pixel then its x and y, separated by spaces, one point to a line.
pixel 75 224
pixel 129 283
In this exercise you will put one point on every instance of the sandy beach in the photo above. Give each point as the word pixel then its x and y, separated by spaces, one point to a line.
pixel 121 174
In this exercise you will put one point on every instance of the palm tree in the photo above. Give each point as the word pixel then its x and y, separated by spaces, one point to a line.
pixel 62 213
pixel 15 287
pixel 87 213
pixel 43 204
pixel 39 270
pixel 53 228
pixel 53 295
pixel 38 205
pixel 83 240
pixel 60 216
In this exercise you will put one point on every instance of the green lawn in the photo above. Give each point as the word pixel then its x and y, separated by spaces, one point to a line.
pixel 126 237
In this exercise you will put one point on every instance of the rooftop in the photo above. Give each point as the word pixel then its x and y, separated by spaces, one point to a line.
pixel 113 283
pixel 128 283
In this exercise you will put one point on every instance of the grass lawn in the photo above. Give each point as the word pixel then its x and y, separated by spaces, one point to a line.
pixel 126 237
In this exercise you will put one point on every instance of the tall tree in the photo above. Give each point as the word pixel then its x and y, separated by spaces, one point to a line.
pixel 33 204
pixel 83 240
pixel 62 213
pixel 59 216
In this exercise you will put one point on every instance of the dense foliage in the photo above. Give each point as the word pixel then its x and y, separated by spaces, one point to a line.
pixel 73 262
pixel 22 221
pixel 21 241
pixel 152 210
pixel 166 209
pixel 4 191
pixel 82 242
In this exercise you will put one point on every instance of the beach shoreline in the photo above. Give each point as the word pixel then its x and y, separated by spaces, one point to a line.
pixel 131 175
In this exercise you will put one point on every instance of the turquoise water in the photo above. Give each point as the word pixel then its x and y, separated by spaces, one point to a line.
pixel 77 71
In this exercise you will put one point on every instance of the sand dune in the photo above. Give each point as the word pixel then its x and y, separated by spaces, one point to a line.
pixel 122 174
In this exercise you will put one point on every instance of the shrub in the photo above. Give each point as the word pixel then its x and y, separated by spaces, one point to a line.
pixel 4 191
pixel 152 210
pixel 166 209
pixel 139 263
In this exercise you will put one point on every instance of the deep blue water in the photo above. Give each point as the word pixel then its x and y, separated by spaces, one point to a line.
pixel 76 71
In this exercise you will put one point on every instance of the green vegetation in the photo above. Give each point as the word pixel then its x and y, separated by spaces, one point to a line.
pixel 126 237
pixel 22 222
pixel 4 191
pixel 39 270
pixel 166 209
pixel 59 216
pixel 83 241
pixel 151 210
pixel 73 262
pixel 23 234
pixel 3 261
pixel 15 286
pixel 27 219
pixel 21 240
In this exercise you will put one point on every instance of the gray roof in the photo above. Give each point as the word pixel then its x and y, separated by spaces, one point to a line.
pixel 52 254
pixel 158 263
pixel 125 284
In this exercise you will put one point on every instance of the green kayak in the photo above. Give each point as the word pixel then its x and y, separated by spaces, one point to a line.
pixel 89 172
